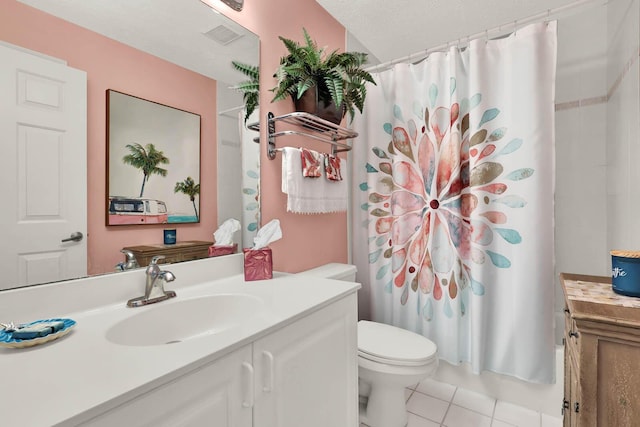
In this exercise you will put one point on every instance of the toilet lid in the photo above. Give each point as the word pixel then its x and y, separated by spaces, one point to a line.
pixel 394 346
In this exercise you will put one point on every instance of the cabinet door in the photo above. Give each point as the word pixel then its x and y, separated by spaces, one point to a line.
pixel 218 395
pixel 307 373
pixel 618 381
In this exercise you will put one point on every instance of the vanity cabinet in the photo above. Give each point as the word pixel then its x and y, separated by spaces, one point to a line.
pixel 181 251
pixel 602 354
pixel 303 374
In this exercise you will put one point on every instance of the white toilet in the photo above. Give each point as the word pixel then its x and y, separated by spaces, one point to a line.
pixel 389 360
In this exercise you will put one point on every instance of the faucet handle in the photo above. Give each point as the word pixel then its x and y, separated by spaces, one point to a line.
pixel 167 276
pixel 127 253
pixel 131 262
pixel 155 259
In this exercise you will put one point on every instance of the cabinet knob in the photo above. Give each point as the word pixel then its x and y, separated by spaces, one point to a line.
pixel 574 334
pixel 565 405
pixel 576 407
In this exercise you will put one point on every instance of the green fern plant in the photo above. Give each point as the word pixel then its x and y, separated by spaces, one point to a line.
pixel 250 88
pixel 337 77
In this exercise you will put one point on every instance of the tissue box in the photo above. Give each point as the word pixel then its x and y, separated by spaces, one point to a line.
pixel 258 264
pixel 217 250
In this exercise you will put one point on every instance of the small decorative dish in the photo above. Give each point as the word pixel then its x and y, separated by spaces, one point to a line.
pixel 8 341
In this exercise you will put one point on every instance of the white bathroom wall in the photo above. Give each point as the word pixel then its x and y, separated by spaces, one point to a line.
pixel 623 126
pixel 597 139
pixel 581 148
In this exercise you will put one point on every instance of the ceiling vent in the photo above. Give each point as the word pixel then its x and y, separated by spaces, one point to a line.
pixel 234 4
pixel 223 35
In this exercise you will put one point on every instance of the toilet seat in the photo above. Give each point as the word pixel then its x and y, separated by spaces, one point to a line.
pixel 393 346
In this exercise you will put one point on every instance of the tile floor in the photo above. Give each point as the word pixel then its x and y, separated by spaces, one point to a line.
pixel 434 404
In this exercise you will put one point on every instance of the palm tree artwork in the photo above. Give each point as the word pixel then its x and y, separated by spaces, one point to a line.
pixel 147 159
pixel 191 189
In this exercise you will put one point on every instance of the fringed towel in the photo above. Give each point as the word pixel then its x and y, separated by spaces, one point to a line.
pixel 310 195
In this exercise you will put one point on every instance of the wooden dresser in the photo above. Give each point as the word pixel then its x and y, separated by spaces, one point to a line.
pixel 181 251
pixel 602 354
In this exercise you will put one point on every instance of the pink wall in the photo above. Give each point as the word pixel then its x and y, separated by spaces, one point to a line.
pixel 112 65
pixel 308 240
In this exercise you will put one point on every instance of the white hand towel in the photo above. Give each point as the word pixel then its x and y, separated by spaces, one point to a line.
pixel 310 195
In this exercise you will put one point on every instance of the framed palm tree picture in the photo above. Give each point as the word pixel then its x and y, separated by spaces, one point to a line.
pixel 153 162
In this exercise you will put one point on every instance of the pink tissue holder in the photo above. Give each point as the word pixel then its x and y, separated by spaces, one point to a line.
pixel 217 250
pixel 258 264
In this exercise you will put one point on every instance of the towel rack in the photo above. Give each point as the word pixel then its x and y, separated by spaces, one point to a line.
pixel 306 125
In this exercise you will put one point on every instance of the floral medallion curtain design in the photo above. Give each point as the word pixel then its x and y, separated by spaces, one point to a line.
pixel 453 215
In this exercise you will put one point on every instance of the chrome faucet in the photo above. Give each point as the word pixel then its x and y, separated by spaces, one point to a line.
pixel 130 263
pixel 154 287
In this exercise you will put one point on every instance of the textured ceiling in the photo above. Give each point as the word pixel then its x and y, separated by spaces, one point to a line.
pixel 391 29
pixel 388 29
pixel 170 29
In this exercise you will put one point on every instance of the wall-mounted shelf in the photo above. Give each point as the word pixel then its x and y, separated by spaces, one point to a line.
pixel 309 126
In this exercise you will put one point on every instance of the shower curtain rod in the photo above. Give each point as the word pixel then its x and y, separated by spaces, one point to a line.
pixel 492 33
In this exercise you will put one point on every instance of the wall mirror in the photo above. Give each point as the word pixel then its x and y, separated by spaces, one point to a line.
pixel 192 35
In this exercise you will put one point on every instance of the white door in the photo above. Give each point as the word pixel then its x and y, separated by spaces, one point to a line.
pixel 43 133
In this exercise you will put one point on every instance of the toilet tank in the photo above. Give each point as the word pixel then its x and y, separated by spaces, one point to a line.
pixel 334 270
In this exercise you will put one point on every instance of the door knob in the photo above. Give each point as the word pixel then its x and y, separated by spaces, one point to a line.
pixel 75 237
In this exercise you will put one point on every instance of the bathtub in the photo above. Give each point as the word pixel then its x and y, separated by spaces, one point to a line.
pixel 545 398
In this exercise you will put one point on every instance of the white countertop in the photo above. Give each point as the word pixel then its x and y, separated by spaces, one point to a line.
pixel 81 375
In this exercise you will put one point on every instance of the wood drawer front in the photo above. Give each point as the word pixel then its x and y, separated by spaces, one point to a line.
pixel 192 254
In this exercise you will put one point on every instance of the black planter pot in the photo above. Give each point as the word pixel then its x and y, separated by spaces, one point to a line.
pixel 309 103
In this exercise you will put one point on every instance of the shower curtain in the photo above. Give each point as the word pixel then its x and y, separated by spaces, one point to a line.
pixel 453 204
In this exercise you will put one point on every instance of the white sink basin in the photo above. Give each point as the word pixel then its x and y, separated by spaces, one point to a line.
pixel 176 320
